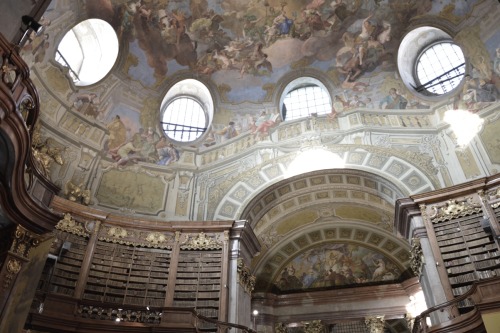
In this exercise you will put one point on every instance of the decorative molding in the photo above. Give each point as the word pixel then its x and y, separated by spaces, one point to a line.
pixel 452 209
pixel 156 238
pixel 116 235
pixel 68 224
pixel 201 242
pixel 77 193
pixel 118 314
pixel 13 267
pixel 117 232
pixel 119 235
pixel 24 241
pixel 245 279
pixel 416 257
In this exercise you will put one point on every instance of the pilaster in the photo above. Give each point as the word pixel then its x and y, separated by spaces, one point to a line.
pixel 20 271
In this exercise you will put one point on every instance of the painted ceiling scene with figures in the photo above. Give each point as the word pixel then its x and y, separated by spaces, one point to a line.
pixel 232 65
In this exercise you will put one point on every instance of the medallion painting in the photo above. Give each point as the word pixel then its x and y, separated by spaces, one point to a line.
pixel 336 265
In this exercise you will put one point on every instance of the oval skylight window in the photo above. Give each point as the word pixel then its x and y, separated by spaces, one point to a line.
pixel 306 101
pixel 89 51
pixel 440 68
pixel 184 119
pixel 186 110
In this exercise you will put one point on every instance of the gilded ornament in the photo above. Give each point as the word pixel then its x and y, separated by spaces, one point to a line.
pixel 43 152
pixel 24 241
pixel 155 238
pixel 200 242
pixel 416 257
pixel 77 193
pixel 245 278
pixel 117 232
pixel 13 266
pixel 453 208
pixel 68 224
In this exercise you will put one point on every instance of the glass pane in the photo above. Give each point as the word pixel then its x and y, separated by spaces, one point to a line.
pixel 302 102
pixel 184 120
pixel 441 68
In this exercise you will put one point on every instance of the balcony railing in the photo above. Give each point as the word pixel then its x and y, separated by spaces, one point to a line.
pixel 482 295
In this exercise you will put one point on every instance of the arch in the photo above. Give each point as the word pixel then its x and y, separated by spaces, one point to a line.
pixel 398 174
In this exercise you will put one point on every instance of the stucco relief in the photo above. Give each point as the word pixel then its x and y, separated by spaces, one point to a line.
pixel 468 163
pixel 490 139
pixel 138 191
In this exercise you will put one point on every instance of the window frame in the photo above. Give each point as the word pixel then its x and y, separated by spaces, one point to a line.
pixel 202 130
pixel 412 45
pixel 300 83
pixel 85 75
pixel 421 86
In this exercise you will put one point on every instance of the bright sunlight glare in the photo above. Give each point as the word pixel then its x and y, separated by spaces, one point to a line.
pixel 312 160
pixel 464 124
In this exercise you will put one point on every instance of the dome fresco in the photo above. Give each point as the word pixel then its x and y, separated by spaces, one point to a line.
pixel 336 265
pixel 382 141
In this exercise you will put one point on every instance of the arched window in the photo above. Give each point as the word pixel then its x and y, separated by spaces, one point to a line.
pixel 89 50
pixel 305 97
pixel 440 68
pixel 187 111
pixel 430 63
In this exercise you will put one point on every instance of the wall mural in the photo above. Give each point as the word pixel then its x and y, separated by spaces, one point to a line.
pixel 252 45
pixel 336 264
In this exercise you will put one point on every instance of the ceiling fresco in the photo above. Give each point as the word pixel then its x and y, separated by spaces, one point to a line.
pixel 246 52
pixel 253 43
pixel 336 265
pixel 300 220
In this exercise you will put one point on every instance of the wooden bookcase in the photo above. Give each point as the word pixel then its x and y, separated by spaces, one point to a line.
pixel 62 271
pixel 123 274
pixel 469 253
pixel 198 282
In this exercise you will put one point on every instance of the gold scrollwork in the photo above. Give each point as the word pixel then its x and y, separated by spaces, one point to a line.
pixel 453 208
pixel 68 224
pixel 44 153
pixel 416 257
pixel 117 232
pixel 200 242
pixel 24 241
pixel 13 266
pixel 245 279
pixel 156 238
